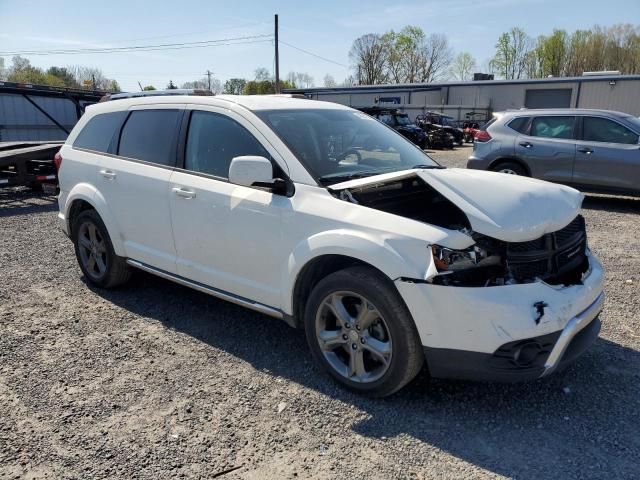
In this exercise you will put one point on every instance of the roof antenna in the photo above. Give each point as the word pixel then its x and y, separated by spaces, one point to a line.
pixel 140 85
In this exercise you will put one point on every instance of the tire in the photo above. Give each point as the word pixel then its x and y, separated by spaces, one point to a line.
pixel 391 332
pixel 511 168
pixel 91 239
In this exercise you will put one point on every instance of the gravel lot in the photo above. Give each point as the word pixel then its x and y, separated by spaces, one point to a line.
pixel 157 381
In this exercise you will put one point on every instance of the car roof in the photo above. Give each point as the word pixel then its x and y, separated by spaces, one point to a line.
pixel 562 111
pixel 250 102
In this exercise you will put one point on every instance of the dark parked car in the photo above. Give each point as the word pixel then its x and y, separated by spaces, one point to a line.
pixel 447 123
pixel 592 150
pixel 400 122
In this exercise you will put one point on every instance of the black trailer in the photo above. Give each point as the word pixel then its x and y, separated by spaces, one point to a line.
pixel 34 121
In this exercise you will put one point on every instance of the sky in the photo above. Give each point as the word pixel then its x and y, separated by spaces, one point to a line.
pixel 320 29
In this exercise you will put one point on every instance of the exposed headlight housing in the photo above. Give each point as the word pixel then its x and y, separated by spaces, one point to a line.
pixel 448 260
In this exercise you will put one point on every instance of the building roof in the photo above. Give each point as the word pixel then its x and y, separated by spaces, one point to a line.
pixel 439 85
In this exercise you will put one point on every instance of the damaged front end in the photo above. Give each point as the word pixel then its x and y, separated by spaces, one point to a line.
pixel 556 256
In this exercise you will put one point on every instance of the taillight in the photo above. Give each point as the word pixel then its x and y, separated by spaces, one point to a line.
pixel 482 136
pixel 57 161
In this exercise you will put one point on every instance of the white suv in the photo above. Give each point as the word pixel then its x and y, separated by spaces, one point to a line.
pixel 320 215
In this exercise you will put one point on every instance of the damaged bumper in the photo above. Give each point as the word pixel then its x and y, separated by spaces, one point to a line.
pixel 497 333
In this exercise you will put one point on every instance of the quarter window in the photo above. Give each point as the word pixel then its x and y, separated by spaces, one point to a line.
pixel 519 124
pixel 552 127
pixel 214 140
pixel 150 135
pixel 98 132
pixel 597 129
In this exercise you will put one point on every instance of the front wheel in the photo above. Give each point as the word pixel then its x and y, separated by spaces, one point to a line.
pixel 94 251
pixel 360 331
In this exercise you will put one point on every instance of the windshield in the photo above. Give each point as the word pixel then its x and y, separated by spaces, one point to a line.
pixel 335 145
pixel 403 120
pixel 635 121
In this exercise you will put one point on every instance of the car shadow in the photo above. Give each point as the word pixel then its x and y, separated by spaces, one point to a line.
pixel 609 203
pixel 573 423
pixel 25 202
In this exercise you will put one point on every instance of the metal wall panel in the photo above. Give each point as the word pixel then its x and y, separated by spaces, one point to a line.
pixel 21 120
pixel 623 96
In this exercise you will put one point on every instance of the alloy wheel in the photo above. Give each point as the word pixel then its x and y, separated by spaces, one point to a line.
pixel 93 250
pixel 354 337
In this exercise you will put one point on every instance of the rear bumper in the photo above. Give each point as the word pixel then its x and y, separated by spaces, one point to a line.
pixel 547 353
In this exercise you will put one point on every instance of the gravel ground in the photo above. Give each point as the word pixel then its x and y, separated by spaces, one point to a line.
pixel 158 381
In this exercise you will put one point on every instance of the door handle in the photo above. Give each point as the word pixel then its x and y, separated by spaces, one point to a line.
pixel 183 192
pixel 526 144
pixel 108 174
pixel 586 150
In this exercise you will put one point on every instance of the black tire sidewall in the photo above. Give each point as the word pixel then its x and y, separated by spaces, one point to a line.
pixel 385 297
pixel 92 216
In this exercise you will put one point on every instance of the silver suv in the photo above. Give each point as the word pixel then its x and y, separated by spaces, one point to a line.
pixel 592 150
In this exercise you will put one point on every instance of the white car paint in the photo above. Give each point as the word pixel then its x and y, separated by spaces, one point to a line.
pixel 253 244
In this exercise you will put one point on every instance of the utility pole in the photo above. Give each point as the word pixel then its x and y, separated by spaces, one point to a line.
pixel 209 73
pixel 277 56
pixel 93 81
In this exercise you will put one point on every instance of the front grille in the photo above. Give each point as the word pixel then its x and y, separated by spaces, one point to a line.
pixel 552 256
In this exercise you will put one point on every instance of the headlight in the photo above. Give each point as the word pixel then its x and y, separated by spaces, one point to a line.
pixel 448 260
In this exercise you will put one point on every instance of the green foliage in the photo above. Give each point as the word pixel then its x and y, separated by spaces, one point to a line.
pixel 264 87
pixel 148 88
pixel 235 86
pixel 171 85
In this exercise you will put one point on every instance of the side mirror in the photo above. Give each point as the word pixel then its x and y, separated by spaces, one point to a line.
pixel 251 170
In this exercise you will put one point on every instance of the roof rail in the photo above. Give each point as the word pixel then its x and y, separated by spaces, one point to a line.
pixel 157 93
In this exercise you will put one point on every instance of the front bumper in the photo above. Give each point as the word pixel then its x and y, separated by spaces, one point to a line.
pixel 491 333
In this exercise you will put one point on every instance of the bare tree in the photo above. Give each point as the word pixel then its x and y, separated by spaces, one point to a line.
pixel 463 66
pixel 368 56
pixel 329 81
pixel 203 84
pixel 262 74
pixel 436 58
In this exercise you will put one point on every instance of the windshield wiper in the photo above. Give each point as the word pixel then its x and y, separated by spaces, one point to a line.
pixel 333 178
pixel 425 166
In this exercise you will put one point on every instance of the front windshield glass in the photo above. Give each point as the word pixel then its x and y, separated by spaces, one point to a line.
pixel 336 145
pixel 403 120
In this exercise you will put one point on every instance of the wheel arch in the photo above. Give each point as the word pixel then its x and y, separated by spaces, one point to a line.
pixel 83 197
pixel 319 257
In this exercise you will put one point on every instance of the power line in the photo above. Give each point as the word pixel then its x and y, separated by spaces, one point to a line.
pixel 148 48
pixel 313 54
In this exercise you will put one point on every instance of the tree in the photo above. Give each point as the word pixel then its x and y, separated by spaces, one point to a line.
pixel 114 86
pixel 512 50
pixel 264 87
pixel 329 81
pixel 368 57
pixel 437 56
pixel 3 73
pixel 65 76
pixel 262 74
pixel 171 85
pixel 234 86
pixel 91 75
pixel 203 84
pixel 463 66
pixel 148 88
pixel 21 71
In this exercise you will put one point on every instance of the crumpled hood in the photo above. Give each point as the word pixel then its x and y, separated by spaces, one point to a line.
pixel 506 207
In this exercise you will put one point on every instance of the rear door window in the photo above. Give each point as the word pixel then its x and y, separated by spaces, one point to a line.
pixel 553 127
pixel 597 129
pixel 214 140
pixel 150 135
pixel 99 131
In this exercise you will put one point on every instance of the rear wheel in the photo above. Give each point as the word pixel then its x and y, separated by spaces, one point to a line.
pixel 510 168
pixel 360 331
pixel 95 254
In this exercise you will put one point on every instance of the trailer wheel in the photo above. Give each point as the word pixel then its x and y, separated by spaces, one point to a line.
pixel 94 252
